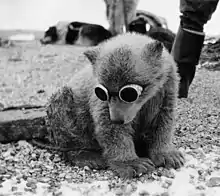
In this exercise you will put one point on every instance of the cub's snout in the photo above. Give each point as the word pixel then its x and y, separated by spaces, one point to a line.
pixel 122 113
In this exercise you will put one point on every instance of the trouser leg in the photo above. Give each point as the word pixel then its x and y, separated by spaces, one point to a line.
pixel 189 39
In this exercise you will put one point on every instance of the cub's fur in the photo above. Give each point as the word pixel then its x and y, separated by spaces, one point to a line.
pixel 120 13
pixel 78 119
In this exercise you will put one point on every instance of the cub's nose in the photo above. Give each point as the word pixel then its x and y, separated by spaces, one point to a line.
pixel 119 122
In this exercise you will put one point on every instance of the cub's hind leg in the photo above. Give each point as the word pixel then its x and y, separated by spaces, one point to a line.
pixel 61 118
pixel 66 133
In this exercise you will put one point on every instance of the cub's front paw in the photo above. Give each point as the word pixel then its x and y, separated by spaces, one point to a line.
pixel 168 158
pixel 130 169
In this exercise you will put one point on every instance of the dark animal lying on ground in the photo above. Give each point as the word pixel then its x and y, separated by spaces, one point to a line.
pixel 50 36
pixel 165 36
pixel 155 31
pixel 73 31
pixel 77 33
pixel 151 19
pixel 86 34
pixel 55 34
pixel 144 18
pixel 138 25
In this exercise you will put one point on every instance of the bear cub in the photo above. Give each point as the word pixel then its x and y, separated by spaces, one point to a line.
pixel 118 111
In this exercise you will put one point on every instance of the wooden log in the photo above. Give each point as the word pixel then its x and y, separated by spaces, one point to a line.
pixel 18 124
pixel 22 107
pixel 30 125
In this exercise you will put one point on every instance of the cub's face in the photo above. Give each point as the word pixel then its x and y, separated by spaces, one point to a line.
pixel 128 75
pixel 123 104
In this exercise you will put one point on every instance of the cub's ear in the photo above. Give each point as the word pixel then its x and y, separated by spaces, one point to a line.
pixel 153 49
pixel 92 54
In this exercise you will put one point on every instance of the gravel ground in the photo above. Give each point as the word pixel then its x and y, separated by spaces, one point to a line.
pixel 31 73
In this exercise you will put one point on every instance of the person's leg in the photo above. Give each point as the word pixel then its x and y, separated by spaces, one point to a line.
pixel 189 40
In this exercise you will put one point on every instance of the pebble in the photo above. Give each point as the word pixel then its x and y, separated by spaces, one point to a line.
pixel 58 194
pixel 10 168
pixel 168 173
pixel 196 122
pixel 2 170
pixel 14 188
pixel 44 180
pixel 208 137
pixel 56 159
pixel 34 156
pixel 62 175
pixel 168 181
pixel 194 146
pixel 144 193
pixel 18 180
pixel 82 172
pixel 165 194
pixel 28 189
pixel 86 168
pixel 68 176
pixel 7 176
pixel 18 193
pixel 31 185
pixel 48 167
pixel 118 192
pixel 25 177
pixel 200 187
pixel 200 128
pixel 7 154
pixel 213 182
pixel 66 191
pixel 165 185
pixel 130 188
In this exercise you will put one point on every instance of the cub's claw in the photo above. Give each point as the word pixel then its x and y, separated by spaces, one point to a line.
pixel 130 169
pixel 168 159
pixel 86 158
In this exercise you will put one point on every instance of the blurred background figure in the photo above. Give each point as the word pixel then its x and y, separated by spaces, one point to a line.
pixel 189 39
pixel 119 14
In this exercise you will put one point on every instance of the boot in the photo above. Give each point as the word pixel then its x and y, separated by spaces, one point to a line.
pixel 186 51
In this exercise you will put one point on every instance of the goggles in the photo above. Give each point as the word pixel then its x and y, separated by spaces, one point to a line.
pixel 128 94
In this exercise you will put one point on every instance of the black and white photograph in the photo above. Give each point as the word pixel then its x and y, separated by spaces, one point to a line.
pixel 67 124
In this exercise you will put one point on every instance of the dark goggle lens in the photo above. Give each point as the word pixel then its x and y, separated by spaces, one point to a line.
pixel 129 94
pixel 101 93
